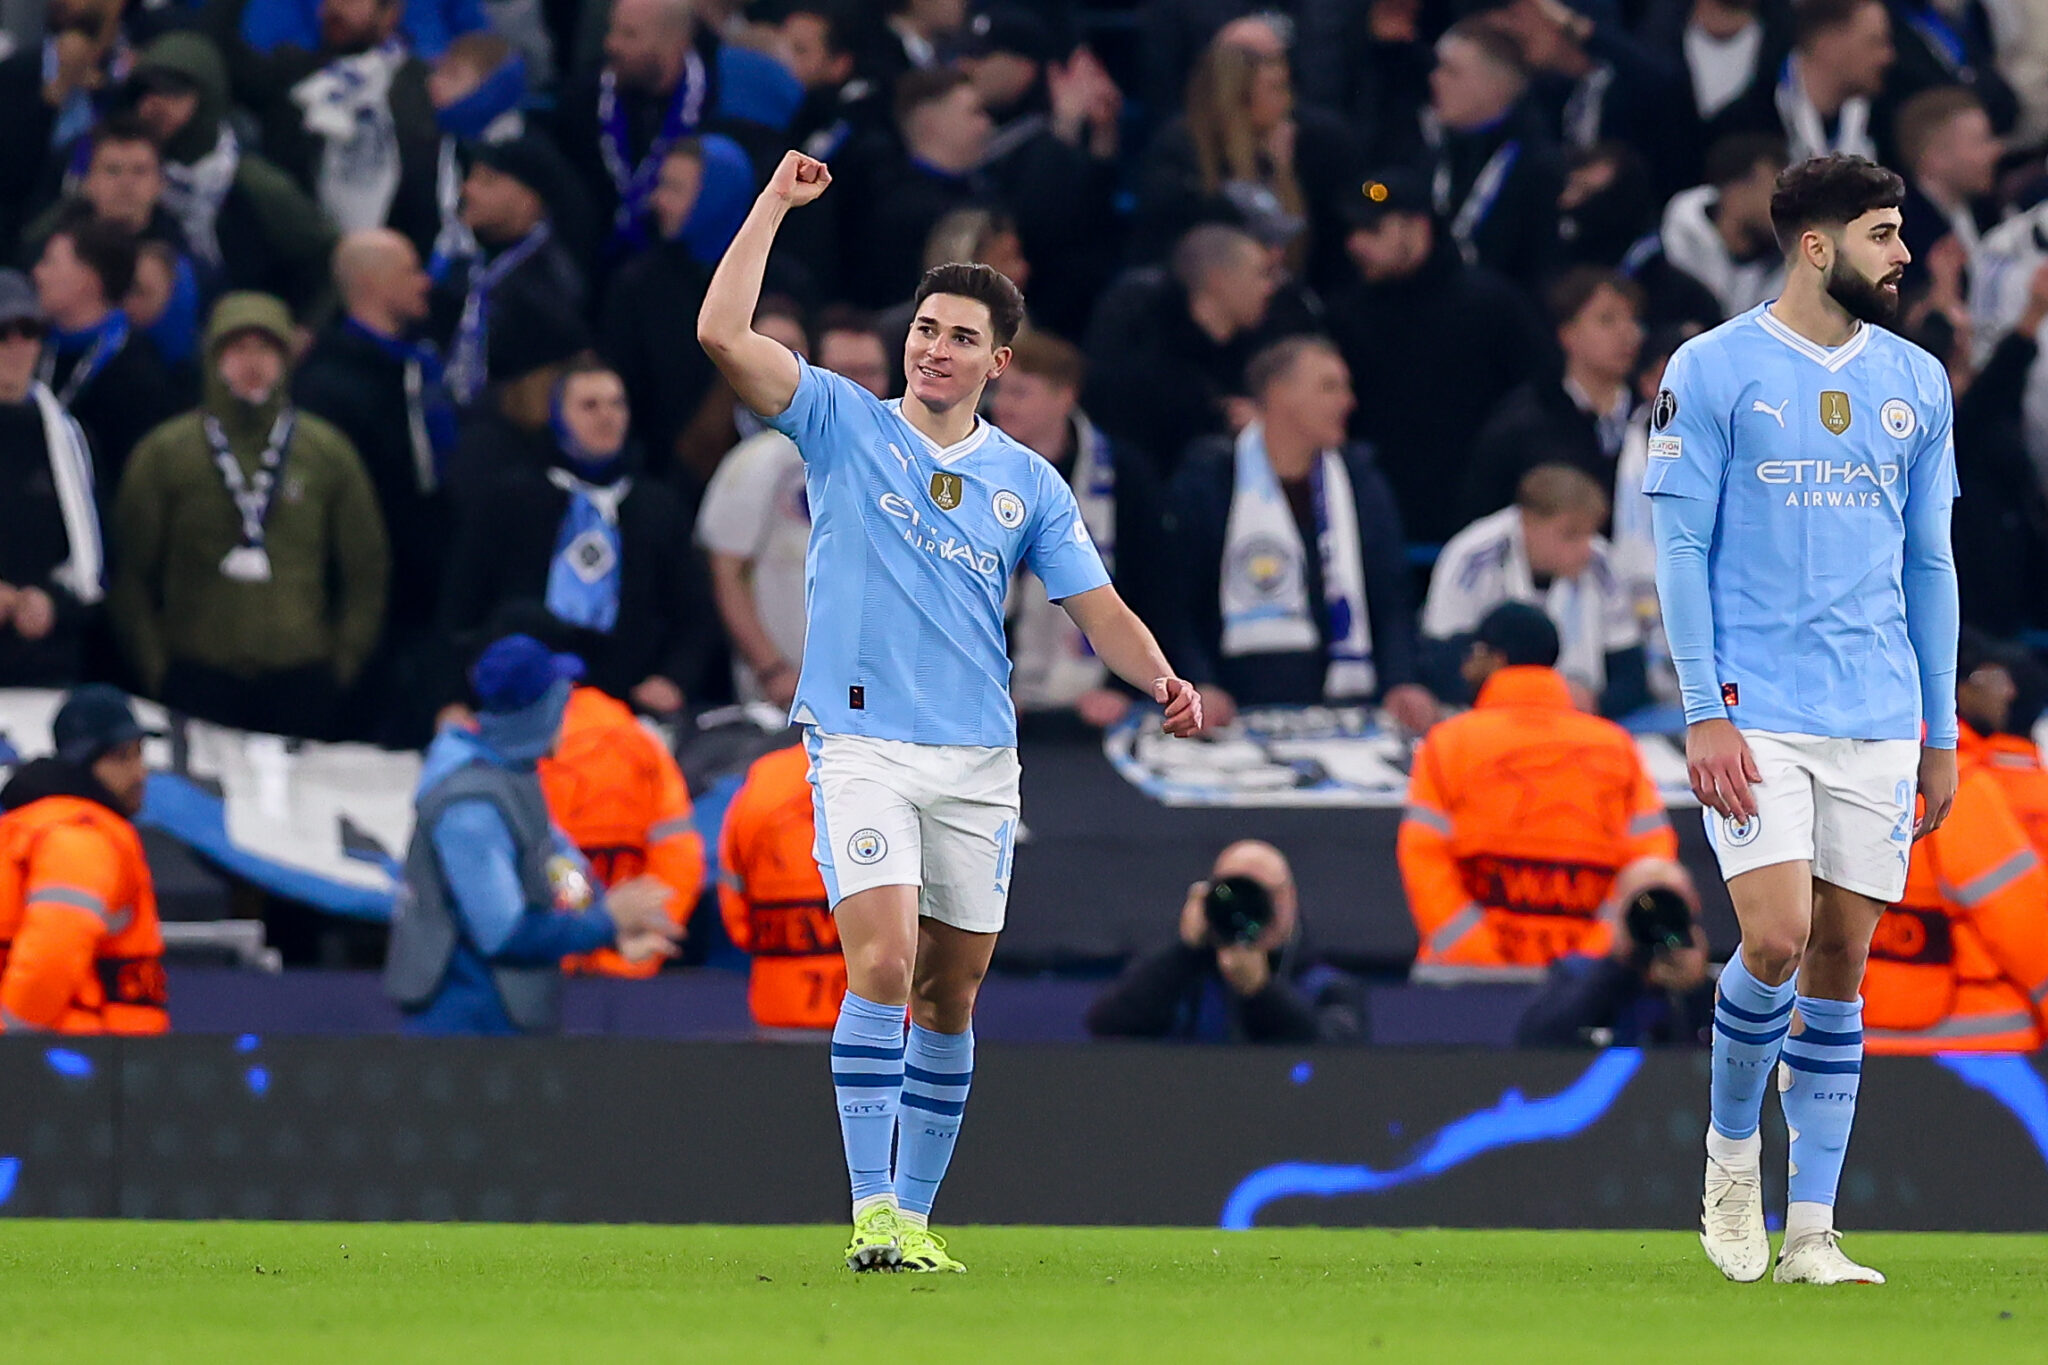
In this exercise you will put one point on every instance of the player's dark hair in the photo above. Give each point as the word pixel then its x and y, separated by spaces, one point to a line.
pixel 107 249
pixel 1275 362
pixel 916 89
pixel 985 285
pixel 1732 158
pixel 1831 192
pixel 1924 115
pixel 1569 294
pixel 1811 18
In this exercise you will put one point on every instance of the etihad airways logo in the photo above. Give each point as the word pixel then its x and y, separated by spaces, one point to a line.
pixel 1830 483
pixel 944 544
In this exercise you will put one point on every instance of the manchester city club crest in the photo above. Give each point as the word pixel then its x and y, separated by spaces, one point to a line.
pixel 867 846
pixel 1834 411
pixel 1009 510
pixel 946 490
pixel 1741 833
pixel 1898 418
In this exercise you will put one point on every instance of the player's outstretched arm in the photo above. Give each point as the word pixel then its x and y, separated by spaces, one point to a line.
pixel 761 370
pixel 1124 643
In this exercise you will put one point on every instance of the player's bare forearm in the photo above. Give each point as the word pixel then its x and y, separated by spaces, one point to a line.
pixel 1130 651
pixel 761 370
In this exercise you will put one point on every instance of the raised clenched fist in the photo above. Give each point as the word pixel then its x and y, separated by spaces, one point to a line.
pixel 799 179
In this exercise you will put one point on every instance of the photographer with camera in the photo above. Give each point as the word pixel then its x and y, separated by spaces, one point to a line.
pixel 1652 989
pixel 1233 975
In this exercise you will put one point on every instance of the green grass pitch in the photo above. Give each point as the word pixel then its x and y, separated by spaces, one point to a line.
pixel 281 1292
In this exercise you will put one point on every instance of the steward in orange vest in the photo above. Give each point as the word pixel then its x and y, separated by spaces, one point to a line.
pixel 80 950
pixel 616 791
pixel 1985 692
pixel 773 898
pixel 1960 964
pixel 1520 813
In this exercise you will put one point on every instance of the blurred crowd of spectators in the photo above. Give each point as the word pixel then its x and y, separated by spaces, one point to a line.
pixel 348 327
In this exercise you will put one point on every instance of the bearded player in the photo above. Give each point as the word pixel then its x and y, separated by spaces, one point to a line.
pixel 1801 474
pixel 921 511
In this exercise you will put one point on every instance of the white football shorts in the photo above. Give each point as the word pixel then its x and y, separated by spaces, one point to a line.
pixel 941 817
pixel 1844 805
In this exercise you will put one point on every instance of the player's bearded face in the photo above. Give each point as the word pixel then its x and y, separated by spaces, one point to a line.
pixel 1862 297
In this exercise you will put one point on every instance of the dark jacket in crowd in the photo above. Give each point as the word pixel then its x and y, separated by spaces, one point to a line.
pixel 1678 158
pixel 35 544
pixel 359 386
pixel 1340 66
pixel 1600 1001
pixel 119 405
pixel 2001 528
pixel 646 333
pixel 1536 424
pixel 1177 992
pixel 1063 201
pixel 1932 47
pixel 1433 354
pixel 1198 512
pixel 536 311
pixel 903 201
pixel 1156 380
pixel 272 237
pixel 505 544
pixel 1328 163
pixel 1517 235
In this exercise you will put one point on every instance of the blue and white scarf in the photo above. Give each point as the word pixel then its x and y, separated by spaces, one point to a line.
pixel 468 370
pixel 70 458
pixel 635 182
pixel 584 579
pixel 101 342
pixel 1264 592
pixel 347 105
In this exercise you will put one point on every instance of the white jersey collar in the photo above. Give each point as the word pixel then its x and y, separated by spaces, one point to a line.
pixel 1830 360
pixel 951 454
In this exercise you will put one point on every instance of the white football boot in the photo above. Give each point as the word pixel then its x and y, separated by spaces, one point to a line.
pixel 1732 1211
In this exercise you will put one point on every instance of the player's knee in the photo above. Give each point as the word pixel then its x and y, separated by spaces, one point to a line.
pixel 879 972
pixel 945 1001
pixel 1773 955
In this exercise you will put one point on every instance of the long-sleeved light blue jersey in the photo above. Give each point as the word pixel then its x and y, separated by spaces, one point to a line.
pixel 911 554
pixel 1801 500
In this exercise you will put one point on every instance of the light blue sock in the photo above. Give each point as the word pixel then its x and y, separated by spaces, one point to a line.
pixel 1749 1025
pixel 937 1070
pixel 867 1076
pixel 1823 1070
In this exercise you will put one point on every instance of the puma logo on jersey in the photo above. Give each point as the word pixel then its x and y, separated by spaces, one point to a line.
pixel 1759 405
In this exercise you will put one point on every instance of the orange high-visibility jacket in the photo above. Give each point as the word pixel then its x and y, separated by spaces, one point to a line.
pixel 1519 814
pixel 80 950
pixel 1960 964
pixel 618 794
pixel 2016 764
pixel 774 899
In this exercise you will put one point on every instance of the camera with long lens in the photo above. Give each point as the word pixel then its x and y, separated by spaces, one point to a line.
pixel 1659 921
pixel 1238 910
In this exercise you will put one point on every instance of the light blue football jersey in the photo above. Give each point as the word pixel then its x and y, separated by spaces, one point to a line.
pixel 911 555
pixel 1818 460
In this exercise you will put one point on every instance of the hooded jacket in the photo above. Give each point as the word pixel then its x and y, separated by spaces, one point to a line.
pixel 272 235
pixel 175 523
